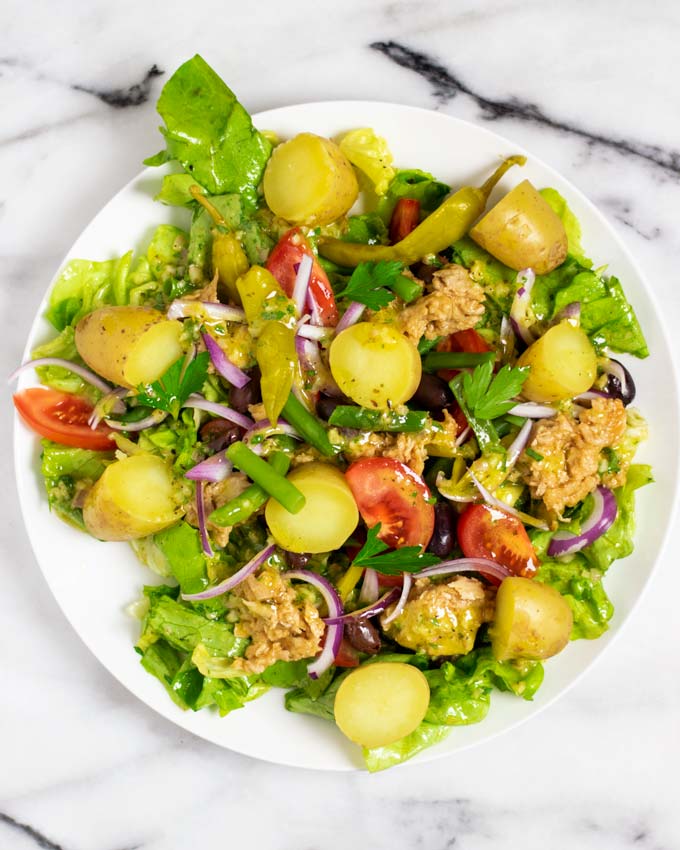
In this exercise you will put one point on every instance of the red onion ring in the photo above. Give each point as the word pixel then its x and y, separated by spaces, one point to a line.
pixel 333 633
pixel 223 364
pixel 197 402
pixel 376 607
pixel 370 587
pixel 440 479
pixel 517 446
pixel 301 285
pixel 112 402
pixel 590 395
pixel 531 410
pixel 233 581
pixel 264 428
pixel 351 315
pixel 200 513
pixel 466 565
pixel 399 607
pixel 86 374
pixel 572 313
pixel 521 302
pixel 493 502
pixel 314 332
pixel 214 468
pixel 599 521
pixel 183 308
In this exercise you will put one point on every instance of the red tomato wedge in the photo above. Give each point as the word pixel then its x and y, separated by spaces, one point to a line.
pixel 347 655
pixel 282 261
pixel 485 532
pixel 469 341
pixel 405 218
pixel 62 417
pixel 390 493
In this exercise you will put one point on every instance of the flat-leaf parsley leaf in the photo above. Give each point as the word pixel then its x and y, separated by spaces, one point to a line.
pixel 408 559
pixel 176 384
pixel 370 283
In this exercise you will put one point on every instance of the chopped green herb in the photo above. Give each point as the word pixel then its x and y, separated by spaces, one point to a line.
pixel 371 283
pixel 532 454
pixel 175 385
pixel 409 559
pixel 488 396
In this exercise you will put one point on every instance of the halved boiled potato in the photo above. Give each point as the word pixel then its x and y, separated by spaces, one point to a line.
pixel 308 180
pixel 128 345
pixel 380 703
pixel 134 497
pixel 532 620
pixel 523 231
pixel 328 517
pixel 563 364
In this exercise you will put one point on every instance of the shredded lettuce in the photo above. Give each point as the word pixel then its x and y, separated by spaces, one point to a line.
pixel 210 133
pixel 65 470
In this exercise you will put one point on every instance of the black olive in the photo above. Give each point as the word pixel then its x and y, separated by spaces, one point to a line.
pixel 615 388
pixel 444 534
pixel 432 394
pixel 217 434
pixel 363 635
pixel 241 397
pixel 297 560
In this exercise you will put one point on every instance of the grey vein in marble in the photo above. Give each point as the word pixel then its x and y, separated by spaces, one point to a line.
pixel 134 95
pixel 38 838
pixel 447 86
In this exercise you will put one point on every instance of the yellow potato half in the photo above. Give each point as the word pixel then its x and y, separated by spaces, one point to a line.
pixel 329 514
pixel 133 498
pixel 128 345
pixel 563 364
pixel 523 231
pixel 380 703
pixel 532 620
pixel 308 180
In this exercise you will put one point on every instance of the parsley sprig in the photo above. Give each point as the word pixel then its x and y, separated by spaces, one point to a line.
pixel 409 559
pixel 483 397
pixel 371 283
pixel 175 385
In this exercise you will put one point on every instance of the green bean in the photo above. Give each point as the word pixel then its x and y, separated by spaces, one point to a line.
pixel 456 359
pixel 308 426
pixel 347 416
pixel 263 474
pixel 243 506
pixel 407 289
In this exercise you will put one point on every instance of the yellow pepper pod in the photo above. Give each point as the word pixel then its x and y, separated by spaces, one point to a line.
pixel 263 298
pixel 229 261
pixel 275 353
pixel 446 225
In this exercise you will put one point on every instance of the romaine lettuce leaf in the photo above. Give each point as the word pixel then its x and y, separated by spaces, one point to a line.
pixel 368 228
pixel 181 546
pixel 424 736
pixel 210 133
pixel 64 470
pixel 571 224
pixel 57 377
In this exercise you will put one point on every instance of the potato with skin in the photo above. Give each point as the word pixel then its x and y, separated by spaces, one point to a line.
pixel 308 180
pixel 532 620
pixel 134 497
pixel 128 345
pixel 563 364
pixel 523 231
pixel 379 703
pixel 328 517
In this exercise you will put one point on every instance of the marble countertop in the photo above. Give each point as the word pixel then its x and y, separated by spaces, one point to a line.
pixel 586 86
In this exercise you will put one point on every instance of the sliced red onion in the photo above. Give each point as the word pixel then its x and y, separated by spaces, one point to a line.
pixel 590 395
pixel 600 520
pixel 233 581
pixel 333 634
pixel 531 410
pixel 199 403
pixel 223 364
pixel 507 336
pixel 308 354
pixel 154 418
pixel 200 513
pixel 441 478
pixel 462 437
pixel 372 610
pixel 86 374
pixel 183 308
pixel 315 312
pixel 520 306
pixel 465 565
pixel 517 446
pixel 264 428
pixel 112 402
pixel 314 332
pixel 572 313
pixel 301 285
pixel 351 315
pixel 214 468
pixel 493 502
pixel 370 587
pixel 399 607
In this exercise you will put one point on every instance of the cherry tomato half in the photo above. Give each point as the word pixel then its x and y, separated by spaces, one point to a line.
pixel 390 493
pixel 347 655
pixel 485 532
pixel 282 261
pixel 62 417
pixel 405 218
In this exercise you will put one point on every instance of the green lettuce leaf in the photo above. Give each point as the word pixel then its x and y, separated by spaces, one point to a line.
pixel 181 547
pixel 415 184
pixel 210 133
pixel 571 224
pixel 229 694
pixel 424 736
pixel 368 228
pixel 58 377
pixel 65 470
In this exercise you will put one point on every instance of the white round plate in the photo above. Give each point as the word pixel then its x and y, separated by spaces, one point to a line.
pixel 93 582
